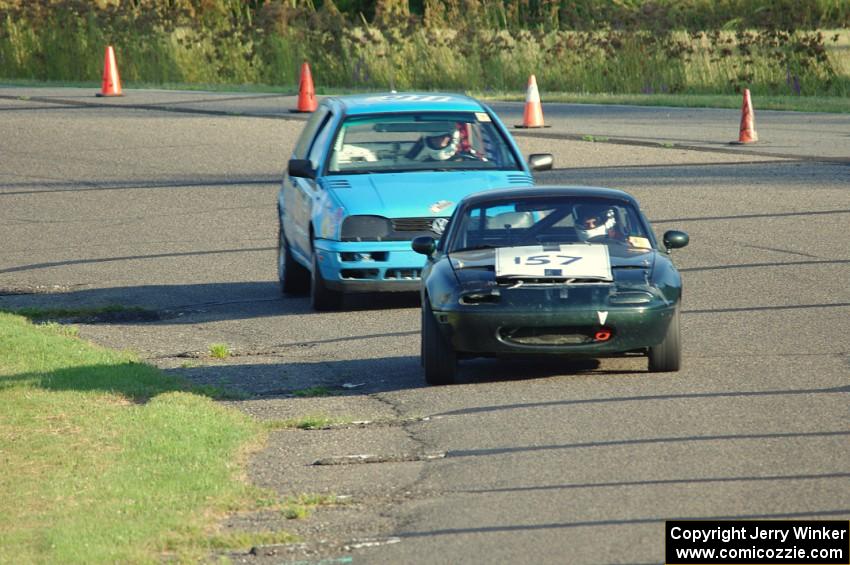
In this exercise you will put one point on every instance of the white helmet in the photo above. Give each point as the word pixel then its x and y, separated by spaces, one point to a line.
pixel 593 220
pixel 439 147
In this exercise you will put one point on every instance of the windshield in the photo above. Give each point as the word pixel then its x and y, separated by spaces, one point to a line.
pixel 420 141
pixel 550 221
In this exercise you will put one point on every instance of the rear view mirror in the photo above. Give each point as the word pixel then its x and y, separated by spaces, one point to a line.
pixel 541 161
pixel 301 168
pixel 675 239
pixel 424 244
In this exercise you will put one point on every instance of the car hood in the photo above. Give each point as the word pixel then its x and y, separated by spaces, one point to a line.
pixel 629 266
pixel 412 195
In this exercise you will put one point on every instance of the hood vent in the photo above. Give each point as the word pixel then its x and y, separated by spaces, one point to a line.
pixel 520 180
pixel 330 184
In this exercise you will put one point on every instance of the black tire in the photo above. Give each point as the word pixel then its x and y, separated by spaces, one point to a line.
pixel 322 298
pixel 666 357
pixel 438 356
pixel 294 278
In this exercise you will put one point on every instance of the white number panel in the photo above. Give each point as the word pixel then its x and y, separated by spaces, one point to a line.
pixel 561 261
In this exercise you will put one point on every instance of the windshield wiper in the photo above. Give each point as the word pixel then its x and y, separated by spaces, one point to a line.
pixel 475 248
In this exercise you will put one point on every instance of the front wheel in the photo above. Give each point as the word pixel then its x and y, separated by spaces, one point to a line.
pixel 666 357
pixel 438 356
pixel 294 279
pixel 322 298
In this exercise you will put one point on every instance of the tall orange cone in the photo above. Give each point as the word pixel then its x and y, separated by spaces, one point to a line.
pixel 111 80
pixel 306 93
pixel 747 132
pixel 533 115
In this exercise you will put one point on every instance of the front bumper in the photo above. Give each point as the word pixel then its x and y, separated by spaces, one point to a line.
pixel 369 266
pixel 556 330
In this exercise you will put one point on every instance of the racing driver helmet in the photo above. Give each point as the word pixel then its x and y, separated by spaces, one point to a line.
pixel 439 147
pixel 593 220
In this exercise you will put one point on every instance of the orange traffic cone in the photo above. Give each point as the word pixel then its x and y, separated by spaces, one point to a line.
pixel 306 94
pixel 111 80
pixel 533 115
pixel 748 127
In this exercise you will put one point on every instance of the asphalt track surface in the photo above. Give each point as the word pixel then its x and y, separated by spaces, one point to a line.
pixel 166 201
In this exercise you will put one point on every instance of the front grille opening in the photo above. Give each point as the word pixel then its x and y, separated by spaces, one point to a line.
pixel 552 336
pixel 359 274
pixel 363 256
pixel 403 274
pixel 483 297
pixel 412 224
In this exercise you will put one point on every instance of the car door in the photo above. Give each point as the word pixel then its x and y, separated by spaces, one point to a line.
pixel 300 193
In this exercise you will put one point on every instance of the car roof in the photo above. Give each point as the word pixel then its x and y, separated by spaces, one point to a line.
pixel 547 191
pixel 406 102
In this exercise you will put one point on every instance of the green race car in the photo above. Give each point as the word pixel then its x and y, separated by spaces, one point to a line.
pixel 565 271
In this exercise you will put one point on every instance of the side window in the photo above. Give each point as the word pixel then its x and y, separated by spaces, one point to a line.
pixel 316 152
pixel 310 128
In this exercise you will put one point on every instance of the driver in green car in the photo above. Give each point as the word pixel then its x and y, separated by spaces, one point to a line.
pixel 594 222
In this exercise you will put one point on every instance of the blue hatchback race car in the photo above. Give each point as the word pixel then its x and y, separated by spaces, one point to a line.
pixel 371 172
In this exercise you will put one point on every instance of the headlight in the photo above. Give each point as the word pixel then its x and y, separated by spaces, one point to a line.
pixel 365 228
pixel 631 298
pixel 475 292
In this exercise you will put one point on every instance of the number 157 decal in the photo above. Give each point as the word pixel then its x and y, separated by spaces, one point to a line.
pixel 566 261
pixel 536 260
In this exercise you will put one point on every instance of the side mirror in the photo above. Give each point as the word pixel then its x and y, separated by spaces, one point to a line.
pixel 541 161
pixel 675 239
pixel 301 168
pixel 424 244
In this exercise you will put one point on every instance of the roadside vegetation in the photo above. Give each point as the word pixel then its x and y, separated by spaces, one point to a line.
pixel 781 48
pixel 108 460
pixel 312 392
pixel 220 350
pixel 112 312
pixel 312 422
pixel 299 507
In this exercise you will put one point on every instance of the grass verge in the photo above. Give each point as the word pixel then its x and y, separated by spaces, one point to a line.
pixel 111 312
pixel 108 460
pixel 828 104
pixel 315 422
pixel 220 350
pixel 299 507
pixel 313 392
pixel 833 104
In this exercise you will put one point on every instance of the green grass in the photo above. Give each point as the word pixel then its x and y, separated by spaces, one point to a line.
pixel 312 392
pixel 82 313
pixel 61 329
pixel 313 422
pixel 241 45
pixel 299 507
pixel 760 102
pixel 831 104
pixel 220 350
pixel 107 460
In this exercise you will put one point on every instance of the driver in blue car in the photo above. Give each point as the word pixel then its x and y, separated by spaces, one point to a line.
pixel 438 147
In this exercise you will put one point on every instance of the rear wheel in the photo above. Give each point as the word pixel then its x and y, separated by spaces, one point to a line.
pixel 438 356
pixel 322 298
pixel 666 357
pixel 294 279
